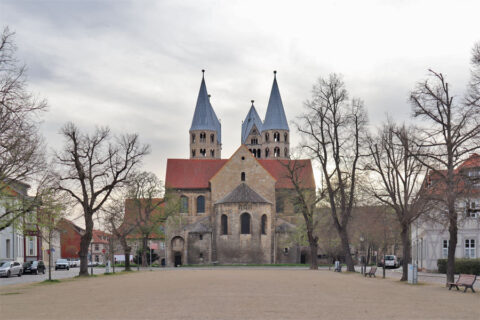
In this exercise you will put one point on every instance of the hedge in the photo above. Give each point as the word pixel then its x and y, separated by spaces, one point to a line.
pixel 468 266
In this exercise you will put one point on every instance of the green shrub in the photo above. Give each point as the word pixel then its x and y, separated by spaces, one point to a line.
pixel 468 266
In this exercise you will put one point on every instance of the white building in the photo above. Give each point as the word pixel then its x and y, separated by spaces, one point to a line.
pixel 430 236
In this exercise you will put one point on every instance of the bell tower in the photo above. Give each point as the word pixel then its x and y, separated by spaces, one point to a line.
pixel 205 131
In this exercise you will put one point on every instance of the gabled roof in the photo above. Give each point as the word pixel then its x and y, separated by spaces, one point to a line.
pixel 242 194
pixel 472 162
pixel 204 117
pixel 252 119
pixel 99 236
pixel 275 117
pixel 191 173
pixel 196 173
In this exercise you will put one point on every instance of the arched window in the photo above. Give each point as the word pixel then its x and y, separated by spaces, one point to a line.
pixel 200 204
pixel 243 176
pixel 264 224
pixel 183 204
pixel 267 151
pixel 245 223
pixel 212 153
pixel 286 153
pixel 285 135
pixel 258 153
pixel 255 153
pixel 254 141
pixel 193 137
pixel 276 152
pixel 203 152
pixel 212 138
pixel 224 224
pixel 193 153
pixel 267 137
pixel 203 137
pixel 276 137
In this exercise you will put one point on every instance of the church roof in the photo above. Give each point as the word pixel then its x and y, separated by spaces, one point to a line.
pixel 204 117
pixel 275 117
pixel 251 119
pixel 196 173
pixel 241 194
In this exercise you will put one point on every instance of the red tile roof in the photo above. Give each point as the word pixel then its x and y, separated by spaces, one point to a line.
pixel 472 162
pixel 99 236
pixel 191 173
pixel 196 174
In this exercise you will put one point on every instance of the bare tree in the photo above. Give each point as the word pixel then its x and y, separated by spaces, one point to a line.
pixel 21 146
pixel 305 201
pixel 334 130
pixel 148 203
pixel 114 217
pixel 90 167
pixel 397 179
pixel 452 132
pixel 473 94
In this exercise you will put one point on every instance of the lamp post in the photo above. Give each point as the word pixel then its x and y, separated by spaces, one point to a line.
pixel 362 255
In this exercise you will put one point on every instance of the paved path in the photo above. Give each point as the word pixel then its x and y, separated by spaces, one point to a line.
pixel 236 293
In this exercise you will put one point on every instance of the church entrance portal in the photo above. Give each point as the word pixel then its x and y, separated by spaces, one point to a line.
pixel 303 258
pixel 178 259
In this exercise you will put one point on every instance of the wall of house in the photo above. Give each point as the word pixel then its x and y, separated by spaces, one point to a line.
pixel 69 241
pixel 199 248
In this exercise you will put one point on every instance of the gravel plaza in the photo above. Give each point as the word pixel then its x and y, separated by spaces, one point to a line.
pixel 236 293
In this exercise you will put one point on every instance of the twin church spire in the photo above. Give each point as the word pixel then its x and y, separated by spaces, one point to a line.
pixel 267 139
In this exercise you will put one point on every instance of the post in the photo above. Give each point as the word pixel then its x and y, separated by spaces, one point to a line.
pixel 91 258
pixel 138 261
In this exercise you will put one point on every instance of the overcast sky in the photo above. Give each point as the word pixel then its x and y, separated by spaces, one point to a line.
pixel 136 65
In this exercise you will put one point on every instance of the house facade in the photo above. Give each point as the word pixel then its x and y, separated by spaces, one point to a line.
pixel 430 236
pixel 236 210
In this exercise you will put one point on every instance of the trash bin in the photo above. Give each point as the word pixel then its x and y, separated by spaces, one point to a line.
pixel 412 273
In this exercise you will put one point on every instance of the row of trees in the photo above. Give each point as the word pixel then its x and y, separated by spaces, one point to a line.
pixel 388 166
pixel 80 178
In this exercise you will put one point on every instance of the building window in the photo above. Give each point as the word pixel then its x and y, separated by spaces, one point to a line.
pixel 201 255
pixel 445 248
pixel 200 204
pixel 224 223
pixel 254 141
pixel 183 204
pixel 264 224
pixel 193 137
pixel 267 151
pixel 470 248
pixel 212 138
pixel 242 176
pixel 267 137
pixel 285 136
pixel 7 244
pixel 285 250
pixel 97 247
pixel 212 153
pixel 245 223
pixel 200 237
pixel 279 203
pixel 276 137
pixel 276 152
pixel 97 258
pixel 286 153
pixel 258 153
pixel 31 249
pixel 203 152
pixel 193 153
pixel 472 210
pixel 203 137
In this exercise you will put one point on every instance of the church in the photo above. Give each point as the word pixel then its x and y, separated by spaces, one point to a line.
pixel 236 210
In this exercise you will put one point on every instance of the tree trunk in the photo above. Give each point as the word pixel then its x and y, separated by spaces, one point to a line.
pixel 405 235
pixel 452 245
pixel 346 249
pixel 144 251
pixel 127 251
pixel 313 255
pixel 84 245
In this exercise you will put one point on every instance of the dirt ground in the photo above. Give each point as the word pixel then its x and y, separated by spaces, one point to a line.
pixel 236 293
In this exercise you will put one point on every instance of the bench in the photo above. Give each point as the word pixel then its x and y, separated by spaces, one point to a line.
pixel 464 280
pixel 371 272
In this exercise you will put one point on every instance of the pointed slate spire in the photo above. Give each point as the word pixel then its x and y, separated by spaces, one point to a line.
pixel 204 117
pixel 275 117
pixel 251 119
